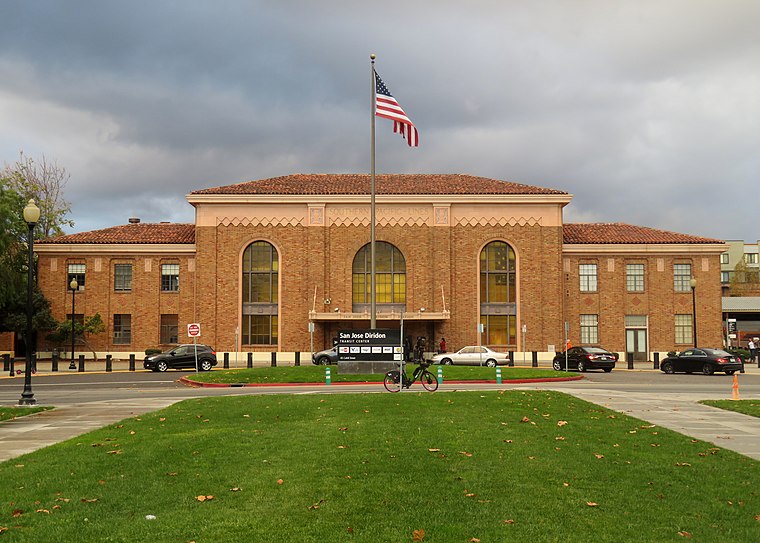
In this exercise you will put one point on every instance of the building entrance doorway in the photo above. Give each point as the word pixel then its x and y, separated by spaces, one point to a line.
pixel 636 337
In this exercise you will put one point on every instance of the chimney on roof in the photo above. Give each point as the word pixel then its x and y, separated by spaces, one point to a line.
pixel 134 220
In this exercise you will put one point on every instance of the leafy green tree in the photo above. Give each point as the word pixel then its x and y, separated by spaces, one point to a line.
pixel 61 332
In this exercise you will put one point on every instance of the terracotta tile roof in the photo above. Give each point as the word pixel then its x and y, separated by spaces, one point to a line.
pixel 384 184
pixel 139 233
pixel 619 233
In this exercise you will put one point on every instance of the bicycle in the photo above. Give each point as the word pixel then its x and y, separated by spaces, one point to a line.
pixel 393 381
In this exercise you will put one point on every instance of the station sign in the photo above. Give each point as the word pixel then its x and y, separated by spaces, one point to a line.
pixel 381 345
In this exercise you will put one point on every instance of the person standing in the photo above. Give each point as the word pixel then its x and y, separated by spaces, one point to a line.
pixel 752 350
pixel 442 346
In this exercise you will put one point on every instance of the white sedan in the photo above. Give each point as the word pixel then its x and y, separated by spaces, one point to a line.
pixel 472 356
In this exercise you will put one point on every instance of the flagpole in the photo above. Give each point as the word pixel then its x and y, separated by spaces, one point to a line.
pixel 373 307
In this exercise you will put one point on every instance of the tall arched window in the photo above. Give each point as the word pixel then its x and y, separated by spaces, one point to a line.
pixel 498 307
pixel 390 277
pixel 260 274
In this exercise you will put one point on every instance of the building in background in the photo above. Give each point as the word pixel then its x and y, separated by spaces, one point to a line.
pixel 455 254
pixel 740 281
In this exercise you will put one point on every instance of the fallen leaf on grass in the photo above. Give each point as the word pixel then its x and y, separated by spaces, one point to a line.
pixel 42 511
pixel 757 518
pixel 172 474
pixel 418 535
pixel 465 453
pixel 280 481
pixel 114 452
pixel 350 530
pixel 89 500
pixel 204 498
pixel 599 455
pixel 509 521
pixel 685 534
pixel 683 464
pixel 507 441
pixel 315 505
pixel 592 504
pixel 525 419
pixel 561 423
pixel 434 450
pixel 343 446
pixel 473 540
pixel 17 513
pixel 559 438
pixel 343 429
pixel 3 529
pixel 235 489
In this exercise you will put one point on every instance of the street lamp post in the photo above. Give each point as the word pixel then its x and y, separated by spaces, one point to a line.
pixel 693 285
pixel 31 216
pixel 73 286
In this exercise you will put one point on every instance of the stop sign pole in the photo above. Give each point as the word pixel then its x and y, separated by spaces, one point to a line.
pixel 194 331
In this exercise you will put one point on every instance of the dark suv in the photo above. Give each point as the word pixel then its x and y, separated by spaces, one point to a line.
pixel 182 356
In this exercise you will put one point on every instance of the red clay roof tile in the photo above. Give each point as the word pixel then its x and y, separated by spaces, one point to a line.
pixel 619 233
pixel 139 233
pixel 384 184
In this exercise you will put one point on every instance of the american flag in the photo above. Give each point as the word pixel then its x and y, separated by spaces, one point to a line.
pixel 387 107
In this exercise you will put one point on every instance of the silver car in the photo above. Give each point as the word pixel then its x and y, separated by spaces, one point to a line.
pixel 472 356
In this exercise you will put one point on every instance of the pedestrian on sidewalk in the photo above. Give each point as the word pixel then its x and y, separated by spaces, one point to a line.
pixel 752 345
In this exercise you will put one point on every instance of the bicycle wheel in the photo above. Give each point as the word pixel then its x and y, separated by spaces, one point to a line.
pixel 392 382
pixel 429 381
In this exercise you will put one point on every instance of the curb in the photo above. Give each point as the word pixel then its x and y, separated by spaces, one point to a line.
pixel 200 384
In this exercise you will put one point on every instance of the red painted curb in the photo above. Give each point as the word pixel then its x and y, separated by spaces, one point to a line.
pixel 190 382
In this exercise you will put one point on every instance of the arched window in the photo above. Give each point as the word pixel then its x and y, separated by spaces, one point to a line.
pixel 259 277
pixel 390 277
pixel 498 307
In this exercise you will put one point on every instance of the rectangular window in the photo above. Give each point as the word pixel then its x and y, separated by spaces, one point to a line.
pixel 725 277
pixel 122 277
pixel 724 258
pixel 684 330
pixel 169 277
pixel 169 329
pixel 682 277
pixel 750 258
pixel 589 329
pixel 634 277
pixel 588 277
pixel 635 321
pixel 122 329
pixel 76 271
pixel 259 329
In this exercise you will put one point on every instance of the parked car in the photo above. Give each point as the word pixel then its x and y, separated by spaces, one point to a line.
pixel 707 361
pixel 472 356
pixel 326 357
pixel 586 358
pixel 182 357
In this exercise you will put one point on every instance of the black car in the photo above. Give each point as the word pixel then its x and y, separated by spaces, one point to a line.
pixel 706 361
pixel 182 357
pixel 326 357
pixel 586 358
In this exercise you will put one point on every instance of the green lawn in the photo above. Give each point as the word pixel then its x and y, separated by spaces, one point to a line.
pixel 517 466
pixel 748 407
pixel 316 374
pixel 8 413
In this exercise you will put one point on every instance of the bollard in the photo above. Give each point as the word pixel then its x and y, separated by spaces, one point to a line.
pixel 6 362
pixel 54 361
pixel 735 388
pixel 226 361
pixel 109 362
pixel 534 354
pixel 629 358
pixel 498 375
pixel 327 375
pixel 274 360
pixel 250 360
pixel 12 370
pixel 132 362
pixel 81 363
pixel 656 361
pixel 298 358
pixel 511 359
pixel 34 362
pixel 440 375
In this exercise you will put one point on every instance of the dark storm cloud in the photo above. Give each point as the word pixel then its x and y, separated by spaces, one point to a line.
pixel 646 111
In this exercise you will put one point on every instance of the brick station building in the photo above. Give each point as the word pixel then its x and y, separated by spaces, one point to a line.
pixel 265 258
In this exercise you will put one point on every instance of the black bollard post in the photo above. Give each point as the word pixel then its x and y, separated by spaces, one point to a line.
pixel 511 359
pixel 298 358
pixel 274 360
pixel 34 362
pixel 657 361
pixel 81 363
pixel 629 358
pixel 534 354
pixel 6 362
pixel 12 370
pixel 132 362
pixel 226 361
pixel 54 360
pixel 250 360
pixel 109 362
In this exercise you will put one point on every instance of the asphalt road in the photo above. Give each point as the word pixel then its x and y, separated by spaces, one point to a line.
pixel 70 388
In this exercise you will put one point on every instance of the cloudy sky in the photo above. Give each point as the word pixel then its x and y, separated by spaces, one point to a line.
pixel 647 111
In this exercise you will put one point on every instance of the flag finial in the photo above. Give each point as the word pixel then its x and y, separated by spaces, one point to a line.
pixel 372 56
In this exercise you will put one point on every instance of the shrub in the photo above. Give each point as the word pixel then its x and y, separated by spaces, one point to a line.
pixel 151 351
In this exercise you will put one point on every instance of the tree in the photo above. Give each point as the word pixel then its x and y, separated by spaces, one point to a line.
pixel 744 281
pixel 13 255
pixel 44 181
pixel 61 333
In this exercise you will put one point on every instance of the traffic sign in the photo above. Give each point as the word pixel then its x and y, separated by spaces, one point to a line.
pixel 194 329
